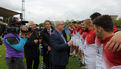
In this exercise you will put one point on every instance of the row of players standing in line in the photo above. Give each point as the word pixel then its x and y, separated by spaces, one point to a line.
pixel 91 48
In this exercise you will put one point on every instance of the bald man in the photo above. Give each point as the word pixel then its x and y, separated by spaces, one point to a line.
pixel 31 49
pixel 59 47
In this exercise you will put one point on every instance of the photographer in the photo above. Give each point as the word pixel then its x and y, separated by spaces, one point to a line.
pixel 14 48
pixel 31 49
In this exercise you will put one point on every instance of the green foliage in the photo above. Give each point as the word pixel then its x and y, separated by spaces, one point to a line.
pixel 42 24
pixel 2 57
pixel 117 22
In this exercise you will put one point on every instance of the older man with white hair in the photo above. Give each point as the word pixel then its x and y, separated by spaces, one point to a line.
pixel 31 49
pixel 59 47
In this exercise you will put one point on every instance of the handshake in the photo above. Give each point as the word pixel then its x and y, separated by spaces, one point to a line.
pixel 70 43
pixel 37 41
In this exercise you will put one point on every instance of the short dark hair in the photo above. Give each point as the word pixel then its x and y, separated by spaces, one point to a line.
pixel 74 22
pixel 47 21
pixel 79 22
pixel 104 21
pixel 95 15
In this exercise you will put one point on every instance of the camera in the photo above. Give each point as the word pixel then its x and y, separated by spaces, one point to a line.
pixel 26 31
pixel 12 27
pixel 5 29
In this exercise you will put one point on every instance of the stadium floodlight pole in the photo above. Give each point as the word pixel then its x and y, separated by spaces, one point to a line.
pixel 23 10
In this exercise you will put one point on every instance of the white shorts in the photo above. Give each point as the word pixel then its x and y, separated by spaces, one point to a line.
pixel 77 42
pixel 90 57
pixel 80 46
pixel 74 41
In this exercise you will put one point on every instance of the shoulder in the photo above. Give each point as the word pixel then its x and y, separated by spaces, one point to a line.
pixel 52 28
pixel 92 33
pixel 54 32
pixel 43 31
pixel 53 35
pixel 80 31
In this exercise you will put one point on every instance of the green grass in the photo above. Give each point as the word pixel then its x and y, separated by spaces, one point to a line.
pixel 72 61
pixel 73 64
pixel 2 57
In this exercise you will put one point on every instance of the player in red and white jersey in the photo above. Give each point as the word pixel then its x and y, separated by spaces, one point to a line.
pixel 71 28
pixel 99 51
pixel 77 37
pixel 90 49
pixel 79 43
pixel 99 46
pixel 104 29
pixel 80 35
pixel 73 36
pixel 83 34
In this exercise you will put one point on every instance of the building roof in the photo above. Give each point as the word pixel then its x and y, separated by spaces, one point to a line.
pixel 7 13
pixel 3 23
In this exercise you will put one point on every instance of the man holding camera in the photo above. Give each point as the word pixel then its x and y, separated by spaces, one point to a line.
pixel 14 44
pixel 31 49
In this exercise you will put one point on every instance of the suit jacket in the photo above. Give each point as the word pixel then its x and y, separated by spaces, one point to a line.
pixel 59 49
pixel 45 39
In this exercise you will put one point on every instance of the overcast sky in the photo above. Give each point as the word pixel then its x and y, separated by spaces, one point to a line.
pixel 40 10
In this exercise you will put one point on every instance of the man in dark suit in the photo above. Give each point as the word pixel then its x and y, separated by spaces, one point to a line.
pixel 45 35
pixel 59 47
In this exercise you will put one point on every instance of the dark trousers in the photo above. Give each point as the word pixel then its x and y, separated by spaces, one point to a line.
pixel 46 59
pixel 32 60
pixel 58 67
pixel 15 63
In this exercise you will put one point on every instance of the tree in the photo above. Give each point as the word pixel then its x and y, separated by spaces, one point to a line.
pixel 41 25
pixel 117 22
